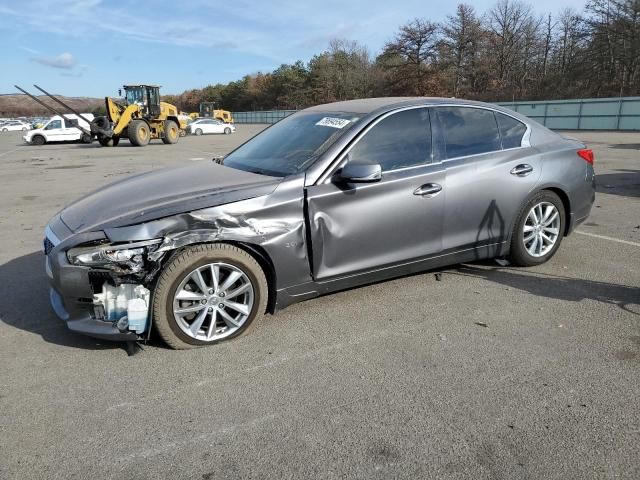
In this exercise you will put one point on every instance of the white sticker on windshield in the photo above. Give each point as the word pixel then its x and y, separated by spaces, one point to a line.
pixel 333 122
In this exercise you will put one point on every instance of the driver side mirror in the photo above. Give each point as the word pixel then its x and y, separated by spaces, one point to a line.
pixel 360 172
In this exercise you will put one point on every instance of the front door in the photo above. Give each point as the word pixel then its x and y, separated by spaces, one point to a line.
pixel 55 131
pixel 357 227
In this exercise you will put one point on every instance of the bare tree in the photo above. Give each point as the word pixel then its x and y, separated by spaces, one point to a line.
pixel 462 38
pixel 411 55
pixel 510 22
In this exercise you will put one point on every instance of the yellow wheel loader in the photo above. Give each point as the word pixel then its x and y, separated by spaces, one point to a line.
pixel 209 110
pixel 140 117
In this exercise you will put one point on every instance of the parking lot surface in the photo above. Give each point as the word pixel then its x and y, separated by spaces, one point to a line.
pixel 490 372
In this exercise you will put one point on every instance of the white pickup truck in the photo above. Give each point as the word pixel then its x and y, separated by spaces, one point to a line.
pixel 59 129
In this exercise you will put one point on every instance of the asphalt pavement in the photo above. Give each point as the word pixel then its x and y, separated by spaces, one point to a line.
pixel 490 372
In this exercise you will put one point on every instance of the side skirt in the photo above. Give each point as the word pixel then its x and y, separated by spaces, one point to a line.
pixel 305 291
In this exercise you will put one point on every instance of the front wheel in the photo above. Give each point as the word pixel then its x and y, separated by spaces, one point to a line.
pixel 198 131
pixel 171 132
pixel 5 129
pixel 227 131
pixel 208 293
pixel 38 140
pixel 538 231
pixel 139 133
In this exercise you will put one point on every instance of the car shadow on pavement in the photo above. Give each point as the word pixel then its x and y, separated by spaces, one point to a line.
pixel 24 291
pixel 556 286
pixel 626 146
pixel 625 183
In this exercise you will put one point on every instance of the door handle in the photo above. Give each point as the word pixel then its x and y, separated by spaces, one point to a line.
pixel 521 170
pixel 428 189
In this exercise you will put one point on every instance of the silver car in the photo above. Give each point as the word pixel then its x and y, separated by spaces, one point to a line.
pixel 334 196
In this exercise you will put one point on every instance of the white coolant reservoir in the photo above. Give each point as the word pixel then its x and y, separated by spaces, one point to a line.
pixel 115 302
pixel 137 314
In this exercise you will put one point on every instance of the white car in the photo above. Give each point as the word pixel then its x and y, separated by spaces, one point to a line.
pixel 210 125
pixel 58 129
pixel 14 125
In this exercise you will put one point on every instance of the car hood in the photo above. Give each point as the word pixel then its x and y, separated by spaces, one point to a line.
pixel 161 193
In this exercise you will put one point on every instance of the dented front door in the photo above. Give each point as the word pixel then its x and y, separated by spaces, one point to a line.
pixel 359 227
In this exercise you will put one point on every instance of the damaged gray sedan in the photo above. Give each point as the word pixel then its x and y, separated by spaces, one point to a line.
pixel 331 197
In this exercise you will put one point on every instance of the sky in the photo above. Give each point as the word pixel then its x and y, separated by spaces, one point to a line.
pixel 92 47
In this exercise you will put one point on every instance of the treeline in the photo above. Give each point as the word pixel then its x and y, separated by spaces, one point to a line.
pixel 21 105
pixel 506 53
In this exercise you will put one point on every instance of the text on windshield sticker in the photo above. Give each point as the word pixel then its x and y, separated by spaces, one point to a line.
pixel 333 122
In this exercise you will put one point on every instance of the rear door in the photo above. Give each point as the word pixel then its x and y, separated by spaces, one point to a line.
pixel 362 226
pixel 209 126
pixel 217 126
pixel 71 132
pixel 490 171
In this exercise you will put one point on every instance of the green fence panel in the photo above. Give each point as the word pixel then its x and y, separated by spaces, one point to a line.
pixel 266 116
pixel 577 114
pixel 583 114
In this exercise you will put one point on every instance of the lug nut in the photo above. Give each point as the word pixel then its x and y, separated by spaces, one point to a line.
pixel 221 306
pixel 203 302
pixel 221 294
pixel 211 309
pixel 211 291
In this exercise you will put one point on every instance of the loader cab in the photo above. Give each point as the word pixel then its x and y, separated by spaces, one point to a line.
pixel 147 97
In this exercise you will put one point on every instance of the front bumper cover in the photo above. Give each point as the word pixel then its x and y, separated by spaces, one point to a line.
pixel 71 294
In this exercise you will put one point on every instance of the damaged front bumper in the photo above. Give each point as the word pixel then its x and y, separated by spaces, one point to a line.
pixel 107 302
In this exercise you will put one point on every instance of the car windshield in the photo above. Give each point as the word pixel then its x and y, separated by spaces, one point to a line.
pixel 291 145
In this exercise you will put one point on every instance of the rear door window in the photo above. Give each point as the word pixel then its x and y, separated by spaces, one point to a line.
pixel 511 130
pixel 468 131
pixel 400 140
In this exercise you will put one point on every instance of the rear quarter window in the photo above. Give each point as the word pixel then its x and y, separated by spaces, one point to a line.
pixel 468 131
pixel 511 130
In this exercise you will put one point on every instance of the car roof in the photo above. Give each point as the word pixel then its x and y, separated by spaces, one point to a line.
pixel 370 105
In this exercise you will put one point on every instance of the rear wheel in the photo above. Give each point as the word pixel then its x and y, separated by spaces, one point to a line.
pixel 208 293
pixel 538 231
pixel 85 138
pixel 38 140
pixel 5 129
pixel 171 132
pixel 139 133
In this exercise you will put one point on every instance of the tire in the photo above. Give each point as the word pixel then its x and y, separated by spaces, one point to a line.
pixel 38 140
pixel 109 141
pixel 24 129
pixel 198 131
pixel 227 131
pixel 524 253
pixel 85 138
pixel 171 132
pixel 172 328
pixel 139 133
pixel 5 129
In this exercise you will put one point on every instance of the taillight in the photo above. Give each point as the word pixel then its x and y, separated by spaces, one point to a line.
pixel 587 155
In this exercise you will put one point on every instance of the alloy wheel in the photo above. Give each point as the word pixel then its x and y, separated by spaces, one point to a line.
pixel 213 301
pixel 541 229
